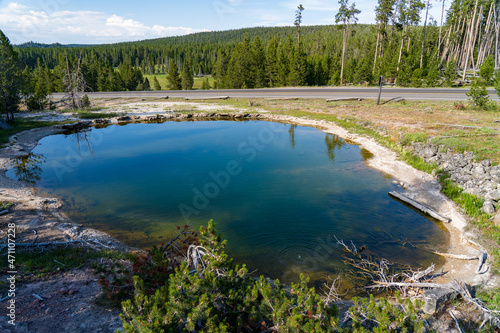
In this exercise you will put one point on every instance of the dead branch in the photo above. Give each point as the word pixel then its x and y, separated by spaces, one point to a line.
pixel 383 284
pixel 456 321
pixel 332 291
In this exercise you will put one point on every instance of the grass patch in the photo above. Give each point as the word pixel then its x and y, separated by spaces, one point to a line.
pixel 409 138
pixel 95 115
pixel 470 203
pixel 56 260
pixel 5 205
pixel 20 125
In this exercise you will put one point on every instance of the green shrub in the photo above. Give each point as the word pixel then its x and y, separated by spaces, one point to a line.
pixel 216 295
pixel 487 69
pixel 409 138
pixel 478 94
pixel 382 316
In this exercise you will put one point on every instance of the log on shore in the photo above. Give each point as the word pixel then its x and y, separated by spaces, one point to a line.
pixel 344 99
pixel 421 207
pixel 281 98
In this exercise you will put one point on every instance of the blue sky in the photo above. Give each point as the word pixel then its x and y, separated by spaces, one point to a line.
pixel 109 21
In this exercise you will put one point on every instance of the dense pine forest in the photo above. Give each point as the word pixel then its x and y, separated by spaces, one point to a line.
pixel 405 46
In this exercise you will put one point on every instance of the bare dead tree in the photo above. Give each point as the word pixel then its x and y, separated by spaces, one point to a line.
pixel 74 85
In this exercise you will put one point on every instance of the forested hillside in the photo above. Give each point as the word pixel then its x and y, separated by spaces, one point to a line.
pixel 401 47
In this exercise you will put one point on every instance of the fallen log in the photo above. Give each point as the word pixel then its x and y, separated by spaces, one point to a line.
pixel 344 99
pixel 421 207
pixel 382 284
pixel 457 256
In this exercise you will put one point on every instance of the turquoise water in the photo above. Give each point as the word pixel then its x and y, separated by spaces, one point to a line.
pixel 278 193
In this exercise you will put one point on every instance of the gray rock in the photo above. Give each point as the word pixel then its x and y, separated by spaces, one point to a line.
pixel 488 207
pixel 478 172
pixel 435 298
pixel 496 220
pixel 473 191
pixel 493 195
pixel 469 156
pixel 430 152
pixel 486 163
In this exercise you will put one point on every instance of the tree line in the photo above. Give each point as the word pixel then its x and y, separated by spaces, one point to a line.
pixel 399 47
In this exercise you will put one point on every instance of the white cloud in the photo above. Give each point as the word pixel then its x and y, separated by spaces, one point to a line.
pixel 22 23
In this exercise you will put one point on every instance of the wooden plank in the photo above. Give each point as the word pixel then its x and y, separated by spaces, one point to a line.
pixel 421 207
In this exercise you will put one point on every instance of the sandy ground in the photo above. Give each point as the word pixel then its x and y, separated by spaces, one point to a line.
pixel 42 218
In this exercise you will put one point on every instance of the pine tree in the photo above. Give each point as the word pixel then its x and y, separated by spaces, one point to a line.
pixel 173 78
pixel 38 88
pixel 384 12
pixel 298 20
pixel 259 64
pixel 241 70
pixel 187 76
pixel 272 65
pixel 11 80
pixel 346 15
pixel 205 85
pixel 156 83
pixel 146 86
pixel 298 68
pixel 220 70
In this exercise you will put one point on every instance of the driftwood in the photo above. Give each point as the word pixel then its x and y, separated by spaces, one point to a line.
pixel 344 99
pixel 206 98
pixel 383 284
pixel 456 321
pixel 456 256
pixel 37 297
pixel 421 207
pixel 3 212
pixel 481 256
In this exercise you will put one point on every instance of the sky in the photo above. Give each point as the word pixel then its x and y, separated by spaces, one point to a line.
pixel 112 21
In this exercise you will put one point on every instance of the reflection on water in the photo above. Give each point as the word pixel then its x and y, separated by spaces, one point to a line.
pixel 279 194
pixel 28 168
pixel 333 142
pixel 291 131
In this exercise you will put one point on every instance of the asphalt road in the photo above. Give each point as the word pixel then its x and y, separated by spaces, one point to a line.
pixel 435 94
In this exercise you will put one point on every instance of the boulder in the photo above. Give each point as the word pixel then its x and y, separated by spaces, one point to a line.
pixel 430 152
pixel 478 172
pixel 493 195
pixel 489 207
pixel 435 298
pixel 486 163
pixel 496 219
